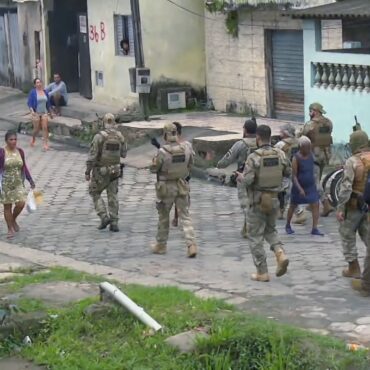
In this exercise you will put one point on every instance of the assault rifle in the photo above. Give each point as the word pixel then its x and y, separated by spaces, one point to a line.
pixel 357 126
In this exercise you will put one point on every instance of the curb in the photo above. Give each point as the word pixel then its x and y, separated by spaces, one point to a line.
pixel 49 260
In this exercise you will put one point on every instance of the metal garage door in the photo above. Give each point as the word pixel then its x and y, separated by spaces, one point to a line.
pixel 287 75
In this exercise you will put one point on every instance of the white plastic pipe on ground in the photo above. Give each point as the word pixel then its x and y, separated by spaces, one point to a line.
pixel 130 305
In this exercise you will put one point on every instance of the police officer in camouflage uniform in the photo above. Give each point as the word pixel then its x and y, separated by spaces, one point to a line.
pixel 103 171
pixel 319 130
pixel 349 212
pixel 239 153
pixel 289 145
pixel 263 176
pixel 172 165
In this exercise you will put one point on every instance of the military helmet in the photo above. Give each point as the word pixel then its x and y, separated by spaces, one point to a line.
pixel 358 140
pixel 109 119
pixel 317 107
pixel 170 132
pixel 289 129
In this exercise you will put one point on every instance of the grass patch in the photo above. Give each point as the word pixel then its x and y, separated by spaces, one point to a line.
pixel 117 341
pixel 54 274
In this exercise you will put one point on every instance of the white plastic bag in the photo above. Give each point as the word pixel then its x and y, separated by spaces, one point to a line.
pixel 31 202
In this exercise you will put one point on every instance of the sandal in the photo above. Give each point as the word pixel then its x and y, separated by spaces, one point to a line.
pixel 317 232
pixel 289 230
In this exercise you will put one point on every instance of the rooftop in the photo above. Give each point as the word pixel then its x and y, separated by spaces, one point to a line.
pixel 346 9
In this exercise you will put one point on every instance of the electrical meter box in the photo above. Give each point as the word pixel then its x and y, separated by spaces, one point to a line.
pixel 140 80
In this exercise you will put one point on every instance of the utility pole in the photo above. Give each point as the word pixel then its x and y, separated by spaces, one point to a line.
pixel 139 53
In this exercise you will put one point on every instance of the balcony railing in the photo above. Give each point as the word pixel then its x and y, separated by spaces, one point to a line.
pixel 342 76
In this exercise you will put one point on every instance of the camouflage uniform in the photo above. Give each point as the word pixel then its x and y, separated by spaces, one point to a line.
pixel 349 199
pixel 322 154
pixel 105 174
pixel 239 153
pixel 348 205
pixel 172 165
pixel 262 223
pixel 365 282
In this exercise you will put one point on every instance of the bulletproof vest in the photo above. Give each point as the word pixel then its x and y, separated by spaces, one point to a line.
pixel 176 162
pixel 361 183
pixel 290 147
pixel 321 134
pixel 270 173
pixel 111 148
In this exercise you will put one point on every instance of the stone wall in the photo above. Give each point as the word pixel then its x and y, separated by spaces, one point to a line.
pixel 236 68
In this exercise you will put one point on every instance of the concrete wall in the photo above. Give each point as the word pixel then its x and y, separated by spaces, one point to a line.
pixel 116 89
pixel 296 3
pixel 173 42
pixel 236 68
pixel 29 20
pixel 341 105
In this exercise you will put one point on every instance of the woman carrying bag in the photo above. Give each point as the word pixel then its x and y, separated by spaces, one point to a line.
pixel 13 172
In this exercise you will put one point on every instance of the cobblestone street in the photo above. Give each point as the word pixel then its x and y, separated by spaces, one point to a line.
pixel 313 294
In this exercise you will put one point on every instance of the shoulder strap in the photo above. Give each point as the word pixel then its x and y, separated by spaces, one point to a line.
pixel 167 149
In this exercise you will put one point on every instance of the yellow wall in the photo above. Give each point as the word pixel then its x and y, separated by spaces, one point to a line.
pixel 116 88
pixel 173 42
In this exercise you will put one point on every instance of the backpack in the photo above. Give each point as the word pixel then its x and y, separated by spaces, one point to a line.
pixel 111 149
pixel 270 172
pixel 365 159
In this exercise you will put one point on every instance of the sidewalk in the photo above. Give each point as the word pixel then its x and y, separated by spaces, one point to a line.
pixel 211 133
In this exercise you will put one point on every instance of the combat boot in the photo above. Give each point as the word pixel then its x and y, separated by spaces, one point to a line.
pixel 104 223
pixel 282 262
pixel 192 251
pixel 353 270
pixel 263 278
pixel 357 285
pixel 114 228
pixel 159 248
pixel 327 208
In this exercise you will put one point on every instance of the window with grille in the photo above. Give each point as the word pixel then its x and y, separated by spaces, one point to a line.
pixel 124 35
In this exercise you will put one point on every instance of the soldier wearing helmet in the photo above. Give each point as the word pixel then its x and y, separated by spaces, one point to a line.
pixel 289 145
pixel 238 154
pixel 319 130
pixel 350 199
pixel 172 165
pixel 103 169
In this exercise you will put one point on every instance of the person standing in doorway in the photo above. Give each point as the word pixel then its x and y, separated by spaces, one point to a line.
pixel 39 105
pixel 13 172
pixel 58 94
